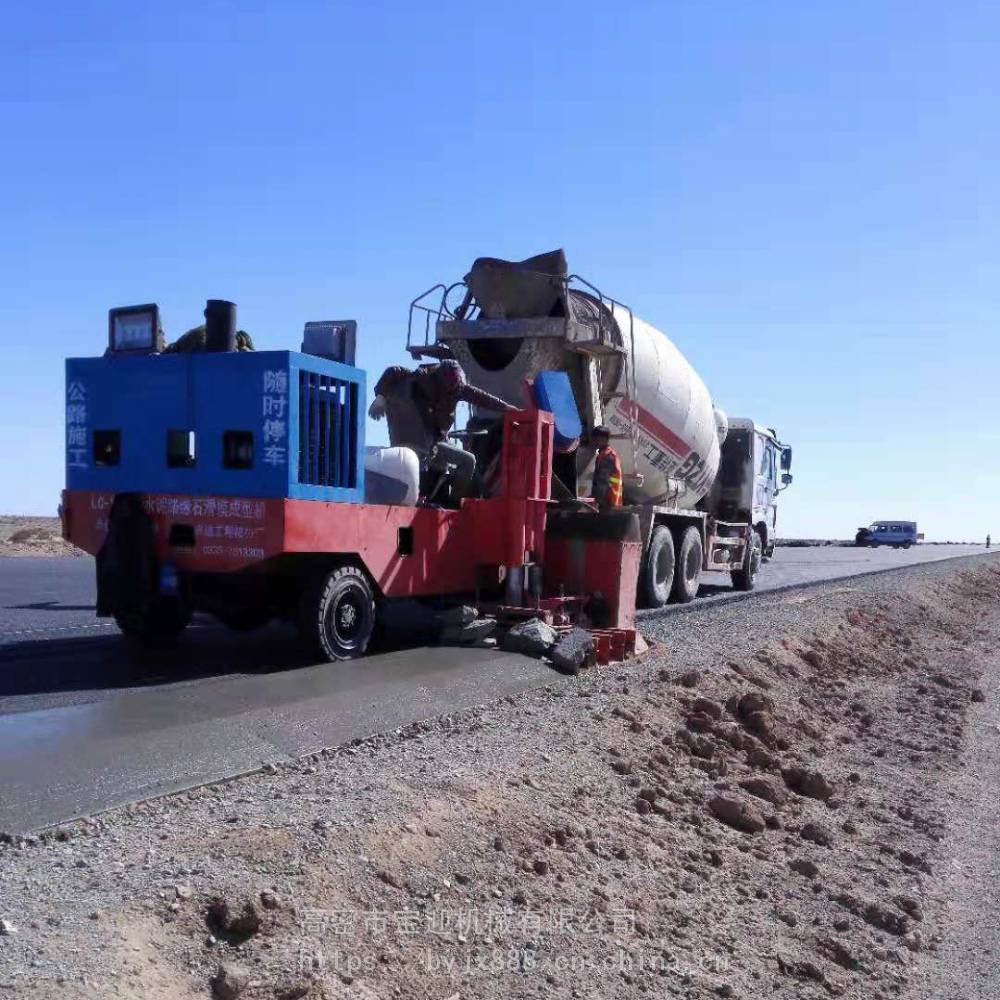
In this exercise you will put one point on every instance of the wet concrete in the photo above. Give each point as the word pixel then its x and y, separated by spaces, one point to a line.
pixel 56 764
pixel 85 725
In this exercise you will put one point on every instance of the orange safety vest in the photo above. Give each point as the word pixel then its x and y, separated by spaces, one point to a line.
pixel 608 469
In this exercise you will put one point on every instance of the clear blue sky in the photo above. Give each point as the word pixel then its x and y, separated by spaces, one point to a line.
pixel 804 196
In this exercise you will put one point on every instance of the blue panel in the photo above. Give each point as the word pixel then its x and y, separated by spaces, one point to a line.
pixel 253 394
pixel 554 393
pixel 328 431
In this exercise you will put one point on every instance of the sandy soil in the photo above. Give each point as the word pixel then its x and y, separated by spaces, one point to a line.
pixel 33 536
pixel 779 826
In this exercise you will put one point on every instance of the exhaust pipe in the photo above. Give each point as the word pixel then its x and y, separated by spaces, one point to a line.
pixel 220 325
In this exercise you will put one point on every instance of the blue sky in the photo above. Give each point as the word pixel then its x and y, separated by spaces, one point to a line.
pixel 804 196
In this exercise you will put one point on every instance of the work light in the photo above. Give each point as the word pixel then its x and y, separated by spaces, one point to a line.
pixel 135 329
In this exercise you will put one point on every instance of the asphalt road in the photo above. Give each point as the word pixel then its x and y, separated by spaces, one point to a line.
pixel 85 726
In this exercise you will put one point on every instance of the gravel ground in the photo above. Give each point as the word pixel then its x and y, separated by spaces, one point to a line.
pixel 770 801
pixel 34 536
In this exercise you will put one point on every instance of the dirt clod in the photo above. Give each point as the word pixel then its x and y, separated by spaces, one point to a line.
pixel 737 813
pixel 229 981
pixel 817 833
pixel 807 782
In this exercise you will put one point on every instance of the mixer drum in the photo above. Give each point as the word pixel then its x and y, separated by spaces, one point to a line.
pixel 677 449
pixel 667 432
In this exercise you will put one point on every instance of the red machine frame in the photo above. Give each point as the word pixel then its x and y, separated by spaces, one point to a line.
pixel 406 551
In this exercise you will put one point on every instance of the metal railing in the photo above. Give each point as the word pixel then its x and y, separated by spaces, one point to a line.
pixel 427 314
pixel 432 306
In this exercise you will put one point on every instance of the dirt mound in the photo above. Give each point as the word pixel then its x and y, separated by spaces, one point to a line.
pixel 34 536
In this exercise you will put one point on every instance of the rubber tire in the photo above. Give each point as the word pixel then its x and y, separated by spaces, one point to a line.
pixel 658 566
pixel 323 597
pixel 906 545
pixel 745 578
pixel 690 557
pixel 158 625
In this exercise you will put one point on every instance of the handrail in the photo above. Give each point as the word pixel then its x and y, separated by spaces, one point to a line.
pixel 441 310
pixel 418 305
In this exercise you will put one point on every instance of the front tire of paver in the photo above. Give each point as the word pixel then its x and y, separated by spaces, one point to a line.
pixel 658 568
pixel 337 614
pixel 689 563
pixel 745 578
pixel 157 624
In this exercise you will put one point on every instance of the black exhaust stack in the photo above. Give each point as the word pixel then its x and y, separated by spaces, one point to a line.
pixel 220 325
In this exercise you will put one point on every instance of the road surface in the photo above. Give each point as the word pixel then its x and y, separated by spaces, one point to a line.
pixel 84 726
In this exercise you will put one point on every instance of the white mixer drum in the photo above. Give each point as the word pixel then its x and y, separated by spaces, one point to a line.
pixel 677 430
pixel 677 451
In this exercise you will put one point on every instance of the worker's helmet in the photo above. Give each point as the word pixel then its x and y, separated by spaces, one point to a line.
pixel 451 374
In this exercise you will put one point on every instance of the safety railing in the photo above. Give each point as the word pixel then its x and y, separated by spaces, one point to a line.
pixel 433 306
pixel 425 312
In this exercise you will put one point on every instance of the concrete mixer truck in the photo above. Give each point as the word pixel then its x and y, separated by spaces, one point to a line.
pixel 704 486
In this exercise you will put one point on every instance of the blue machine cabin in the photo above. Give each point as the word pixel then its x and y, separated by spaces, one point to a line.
pixel 241 424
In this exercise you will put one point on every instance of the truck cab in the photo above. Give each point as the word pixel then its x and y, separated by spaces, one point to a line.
pixel 754 469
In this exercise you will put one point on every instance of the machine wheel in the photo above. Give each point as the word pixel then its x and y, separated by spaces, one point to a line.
pixel 745 578
pixel 337 614
pixel 658 568
pixel 906 545
pixel 689 563
pixel 160 621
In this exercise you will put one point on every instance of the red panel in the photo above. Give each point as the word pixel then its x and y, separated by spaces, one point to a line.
pixel 588 565
pixel 443 546
pixel 230 533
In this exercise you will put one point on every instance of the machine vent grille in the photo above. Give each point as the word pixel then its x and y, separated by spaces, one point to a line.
pixel 328 413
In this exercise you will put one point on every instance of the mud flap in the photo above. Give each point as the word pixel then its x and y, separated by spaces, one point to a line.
pixel 126 562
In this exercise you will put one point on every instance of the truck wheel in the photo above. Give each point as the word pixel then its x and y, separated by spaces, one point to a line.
pixel 689 562
pixel 337 614
pixel 745 578
pixel 658 568
pixel 157 623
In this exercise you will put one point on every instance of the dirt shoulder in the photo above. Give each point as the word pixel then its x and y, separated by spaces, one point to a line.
pixel 34 536
pixel 781 823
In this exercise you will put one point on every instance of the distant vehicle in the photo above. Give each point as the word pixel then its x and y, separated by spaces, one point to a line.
pixel 898 534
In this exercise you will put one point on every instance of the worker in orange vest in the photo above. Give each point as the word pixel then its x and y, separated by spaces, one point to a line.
pixel 607 487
